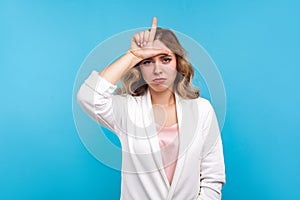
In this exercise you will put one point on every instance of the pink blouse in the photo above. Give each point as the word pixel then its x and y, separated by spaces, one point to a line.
pixel 169 145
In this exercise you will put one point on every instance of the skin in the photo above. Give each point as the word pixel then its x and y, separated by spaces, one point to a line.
pixel 157 62
pixel 159 71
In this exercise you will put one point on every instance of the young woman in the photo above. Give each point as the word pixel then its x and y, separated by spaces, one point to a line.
pixel 171 144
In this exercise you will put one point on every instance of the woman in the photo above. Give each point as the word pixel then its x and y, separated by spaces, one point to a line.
pixel 171 144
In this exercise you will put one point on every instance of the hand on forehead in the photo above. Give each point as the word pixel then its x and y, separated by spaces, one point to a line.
pixel 157 44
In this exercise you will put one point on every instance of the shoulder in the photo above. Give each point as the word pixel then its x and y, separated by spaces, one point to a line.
pixel 199 107
pixel 128 99
pixel 202 103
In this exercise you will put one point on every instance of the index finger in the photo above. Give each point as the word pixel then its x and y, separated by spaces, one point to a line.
pixel 153 29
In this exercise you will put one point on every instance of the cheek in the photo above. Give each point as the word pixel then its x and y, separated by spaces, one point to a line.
pixel 145 73
pixel 172 68
pixel 173 64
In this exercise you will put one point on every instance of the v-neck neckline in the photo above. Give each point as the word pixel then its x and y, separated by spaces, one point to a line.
pixel 184 125
pixel 156 143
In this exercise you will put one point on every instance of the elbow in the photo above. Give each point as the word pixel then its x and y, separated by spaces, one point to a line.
pixel 79 96
pixel 82 96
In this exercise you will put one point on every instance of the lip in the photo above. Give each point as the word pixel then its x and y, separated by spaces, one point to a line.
pixel 159 80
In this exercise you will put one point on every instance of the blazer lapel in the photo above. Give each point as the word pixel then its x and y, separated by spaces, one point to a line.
pixel 187 113
pixel 152 135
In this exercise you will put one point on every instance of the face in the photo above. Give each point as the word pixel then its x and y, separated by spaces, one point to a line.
pixel 159 72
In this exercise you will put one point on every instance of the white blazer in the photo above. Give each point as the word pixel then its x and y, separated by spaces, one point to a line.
pixel 200 169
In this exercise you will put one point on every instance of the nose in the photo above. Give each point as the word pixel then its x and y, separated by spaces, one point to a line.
pixel 157 68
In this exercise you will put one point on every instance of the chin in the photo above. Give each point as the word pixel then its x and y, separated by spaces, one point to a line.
pixel 160 88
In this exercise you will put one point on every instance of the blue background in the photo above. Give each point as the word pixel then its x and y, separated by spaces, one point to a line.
pixel 255 45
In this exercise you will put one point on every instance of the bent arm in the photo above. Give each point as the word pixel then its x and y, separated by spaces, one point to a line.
pixel 95 95
pixel 115 71
pixel 95 98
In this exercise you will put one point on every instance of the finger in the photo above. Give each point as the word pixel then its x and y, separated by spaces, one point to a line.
pixel 153 30
pixel 141 35
pixel 137 39
pixel 146 37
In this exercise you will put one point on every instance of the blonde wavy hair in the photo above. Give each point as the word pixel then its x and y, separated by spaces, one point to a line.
pixel 134 84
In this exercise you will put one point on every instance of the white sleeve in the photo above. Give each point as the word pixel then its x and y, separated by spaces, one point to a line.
pixel 212 176
pixel 95 96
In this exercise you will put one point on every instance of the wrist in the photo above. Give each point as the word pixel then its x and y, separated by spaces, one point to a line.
pixel 135 58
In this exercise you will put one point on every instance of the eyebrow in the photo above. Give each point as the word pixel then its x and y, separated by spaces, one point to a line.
pixel 165 55
pixel 160 56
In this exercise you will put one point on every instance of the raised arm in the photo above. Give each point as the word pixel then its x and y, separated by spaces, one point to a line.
pixel 96 93
pixel 141 48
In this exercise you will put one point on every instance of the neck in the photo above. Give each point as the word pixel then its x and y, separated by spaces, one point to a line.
pixel 164 98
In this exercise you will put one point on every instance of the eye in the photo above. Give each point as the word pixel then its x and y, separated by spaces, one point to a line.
pixel 166 60
pixel 146 62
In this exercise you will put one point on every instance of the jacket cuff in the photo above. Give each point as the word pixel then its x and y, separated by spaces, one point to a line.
pixel 99 84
